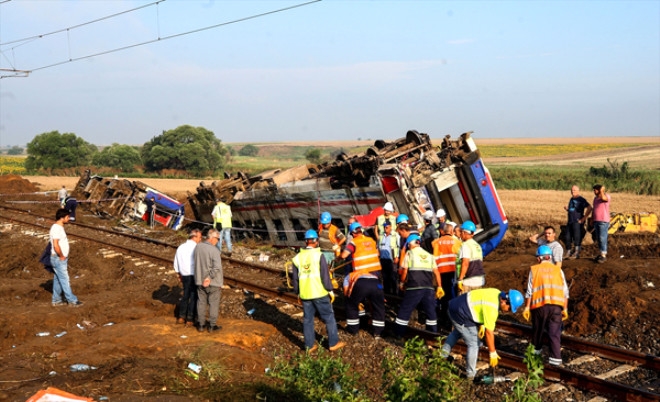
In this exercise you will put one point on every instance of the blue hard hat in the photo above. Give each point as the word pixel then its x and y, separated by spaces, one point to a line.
pixel 543 250
pixel 326 218
pixel 413 237
pixel 515 299
pixel 469 226
pixel 311 234
pixel 354 226
pixel 401 218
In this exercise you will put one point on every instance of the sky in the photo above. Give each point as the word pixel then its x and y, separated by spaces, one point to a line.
pixel 329 70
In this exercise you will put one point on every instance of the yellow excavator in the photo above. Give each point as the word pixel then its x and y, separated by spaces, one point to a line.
pixel 633 223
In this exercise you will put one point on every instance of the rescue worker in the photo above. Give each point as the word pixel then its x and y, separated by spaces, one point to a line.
pixel 364 282
pixel 388 215
pixel 547 298
pixel 330 238
pixel 222 223
pixel 430 232
pixel 71 204
pixel 312 284
pixel 151 210
pixel 419 274
pixel 445 252
pixel 471 275
pixel 474 315
pixel 441 215
pixel 388 248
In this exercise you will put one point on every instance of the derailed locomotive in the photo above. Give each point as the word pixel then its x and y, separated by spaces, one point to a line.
pixel 411 173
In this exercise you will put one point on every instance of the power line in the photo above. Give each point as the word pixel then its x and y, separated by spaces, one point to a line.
pixel 70 60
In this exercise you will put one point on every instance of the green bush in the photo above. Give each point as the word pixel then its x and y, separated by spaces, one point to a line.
pixel 306 377
pixel 417 375
pixel 524 387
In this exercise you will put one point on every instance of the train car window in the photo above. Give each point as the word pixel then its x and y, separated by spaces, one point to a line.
pixel 279 227
pixel 299 229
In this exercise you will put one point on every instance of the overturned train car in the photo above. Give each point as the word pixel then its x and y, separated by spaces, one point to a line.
pixel 410 172
pixel 125 199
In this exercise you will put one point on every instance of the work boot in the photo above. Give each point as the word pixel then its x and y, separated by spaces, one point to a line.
pixel 180 320
pixel 337 346
pixel 314 348
pixel 214 328
pixel 601 259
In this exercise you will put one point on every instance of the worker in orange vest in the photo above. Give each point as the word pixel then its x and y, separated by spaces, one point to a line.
pixel 364 282
pixel 330 238
pixel 445 251
pixel 547 299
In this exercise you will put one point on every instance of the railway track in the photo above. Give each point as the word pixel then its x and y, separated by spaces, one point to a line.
pixel 577 371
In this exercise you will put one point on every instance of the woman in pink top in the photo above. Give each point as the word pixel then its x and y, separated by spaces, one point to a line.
pixel 601 218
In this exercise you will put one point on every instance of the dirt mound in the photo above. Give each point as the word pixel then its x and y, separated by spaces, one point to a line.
pixel 15 184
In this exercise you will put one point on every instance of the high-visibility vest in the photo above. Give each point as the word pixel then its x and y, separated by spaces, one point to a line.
pixel 310 284
pixel 381 220
pixel 420 269
pixel 444 251
pixel 484 305
pixel 476 265
pixel 547 285
pixel 331 233
pixel 365 260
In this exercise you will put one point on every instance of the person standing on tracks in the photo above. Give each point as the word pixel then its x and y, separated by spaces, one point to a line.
pixel 445 252
pixel 547 298
pixel 222 222
pixel 430 232
pixel 471 275
pixel 311 282
pixel 61 195
pixel 474 315
pixel 330 238
pixel 184 266
pixel 71 204
pixel 59 259
pixel 578 210
pixel 364 282
pixel 209 281
pixel 419 275
pixel 549 238
pixel 388 215
pixel 151 210
pixel 388 248
pixel 601 219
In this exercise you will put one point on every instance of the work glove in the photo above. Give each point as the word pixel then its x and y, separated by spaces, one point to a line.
pixel 332 296
pixel 439 293
pixel 494 359
pixel 459 284
pixel 335 284
pixel 482 331
pixel 526 314
pixel 564 315
pixel 336 249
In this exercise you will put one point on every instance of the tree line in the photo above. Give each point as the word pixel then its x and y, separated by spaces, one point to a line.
pixel 192 149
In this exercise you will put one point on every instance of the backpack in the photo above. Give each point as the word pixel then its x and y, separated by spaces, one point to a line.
pixel 45 259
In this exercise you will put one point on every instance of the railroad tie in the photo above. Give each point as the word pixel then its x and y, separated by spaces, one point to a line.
pixel 581 360
pixel 624 368
pixel 597 399
pixel 552 388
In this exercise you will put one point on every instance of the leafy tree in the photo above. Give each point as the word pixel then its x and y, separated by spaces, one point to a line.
pixel 15 150
pixel 313 155
pixel 194 149
pixel 118 156
pixel 249 150
pixel 56 151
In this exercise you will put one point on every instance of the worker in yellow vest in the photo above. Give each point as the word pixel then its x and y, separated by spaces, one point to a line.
pixel 420 277
pixel 311 282
pixel 364 281
pixel 547 298
pixel 388 215
pixel 222 222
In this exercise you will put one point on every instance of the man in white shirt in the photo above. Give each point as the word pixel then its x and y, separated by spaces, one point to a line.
pixel 184 265
pixel 62 194
pixel 59 257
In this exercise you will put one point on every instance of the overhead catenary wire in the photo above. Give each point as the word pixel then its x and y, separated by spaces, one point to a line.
pixel 157 39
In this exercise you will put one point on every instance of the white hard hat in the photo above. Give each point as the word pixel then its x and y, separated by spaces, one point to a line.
pixel 453 224
pixel 388 207
pixel 441 212
pixel 428 215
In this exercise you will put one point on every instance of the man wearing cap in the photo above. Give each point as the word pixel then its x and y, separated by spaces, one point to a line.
pixel 312 284
pixel 388 215
pixel 330 238
pixel 547 298
pixel 445 251
pixel 430 232
pixel 209 281
pixel 364 282
pixel 472 275
pixel 419 275
pixel 474 315
pixel 388 247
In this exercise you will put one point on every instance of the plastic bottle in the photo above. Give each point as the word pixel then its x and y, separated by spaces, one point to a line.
pixel 489 379
pixel 81 367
